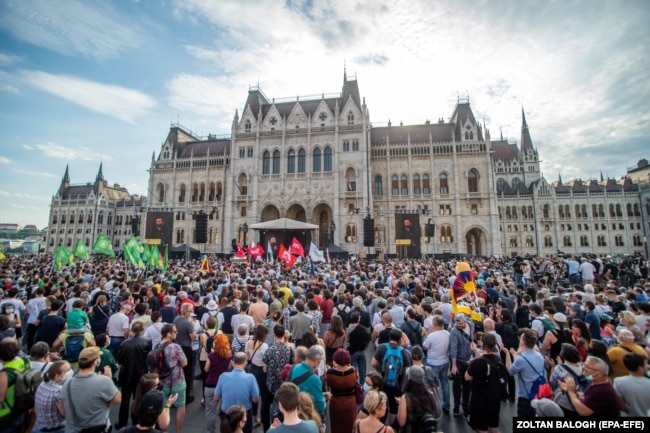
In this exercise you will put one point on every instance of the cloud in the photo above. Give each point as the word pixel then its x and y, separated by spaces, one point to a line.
pixel 27 147
pixel 61 152
pixel 33 197
pixel 35 173
pixel 8 88
pixel 4 160
pixel 4 193
pixel 9 59
pixel 78 28
pixel 115 101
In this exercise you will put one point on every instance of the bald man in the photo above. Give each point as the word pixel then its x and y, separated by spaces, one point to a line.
pixel 616 353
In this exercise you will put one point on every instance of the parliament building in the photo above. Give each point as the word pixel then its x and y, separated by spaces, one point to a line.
pixel 321 161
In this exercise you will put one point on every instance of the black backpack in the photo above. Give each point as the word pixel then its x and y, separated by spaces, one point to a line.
pixel 345 316
pixel 496 380
pixel 522 318
pixel 157 362
pixel 26 384
pixel 426 424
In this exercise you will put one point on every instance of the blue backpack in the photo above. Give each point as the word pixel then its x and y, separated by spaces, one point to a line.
pixel 392 365
pixel 74 344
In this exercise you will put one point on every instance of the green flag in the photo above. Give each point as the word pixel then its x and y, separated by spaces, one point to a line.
pixel 103 246
pixel 81 250
pixel 133 252
pixel 164 265
pixel 2 252
pixel 61 257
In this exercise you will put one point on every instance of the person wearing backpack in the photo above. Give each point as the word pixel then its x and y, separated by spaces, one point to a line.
pixel 10 418
pixel 73 342
pixel 489 386
pixel 528 366
pixel 417 411
pixel 392 360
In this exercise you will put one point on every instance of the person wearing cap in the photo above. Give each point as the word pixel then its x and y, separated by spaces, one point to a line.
pixel 88 396
pixel 545 407
pixel 132 357
pixel 394 338
pixel 460 352
pixel 151 406
pixel 415 401
pixel 118 328
pixel 237 387
pixel 555 337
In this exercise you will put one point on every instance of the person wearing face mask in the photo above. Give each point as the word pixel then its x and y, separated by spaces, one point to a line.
pixel 15 327
pixel 50 415
pixel 373 382
pixel 600 399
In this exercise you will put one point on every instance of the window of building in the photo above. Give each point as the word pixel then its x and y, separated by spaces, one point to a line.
pixel 546 210
pixel 404 185
pixel 513 242
pixel 346 146
pixel 350 118
pixel 445 235
pixel 444 186
pixel 394 185
pixel 322 117
pixel 276 162
pixel 600 240
pixel 618 211
pixel 302 161
pixel 317 161
pixel 355 145
pixel 416 184
pixel 249 152
pixel 529 242
pixel 378 186
pixel 266 162
pixel 567 211
pixel 501 184
pixel 351 233
pixel 426 185
pixel 567 241
pixel 584 242
pixel 242 152
pixel 474 209
pixel 247 126
pixel 618 240
pixel 328 159
pixel 291 161
pixel 548 241
pixel 242 212
pixel 472 181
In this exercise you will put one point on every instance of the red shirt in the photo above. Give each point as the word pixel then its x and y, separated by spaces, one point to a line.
pixel 326 308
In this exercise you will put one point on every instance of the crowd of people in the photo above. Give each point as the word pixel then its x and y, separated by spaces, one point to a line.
pixel 285 349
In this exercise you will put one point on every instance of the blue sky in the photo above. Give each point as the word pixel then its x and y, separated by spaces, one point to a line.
pixel 88 82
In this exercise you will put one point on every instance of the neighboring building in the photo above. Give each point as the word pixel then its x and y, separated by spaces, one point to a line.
pixel 10 228
pixel 31 247
pixel 86 211
pixel 30 227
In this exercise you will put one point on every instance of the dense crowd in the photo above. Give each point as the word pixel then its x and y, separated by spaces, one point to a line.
pixel 262 345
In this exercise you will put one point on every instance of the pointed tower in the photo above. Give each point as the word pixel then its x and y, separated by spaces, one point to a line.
pixel 65 181
pixel 100 182
pixel 528 154
pixel 100 173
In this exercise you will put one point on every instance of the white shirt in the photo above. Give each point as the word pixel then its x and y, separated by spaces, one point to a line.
pixel 117 323
pixel 34 306
pixel 437 346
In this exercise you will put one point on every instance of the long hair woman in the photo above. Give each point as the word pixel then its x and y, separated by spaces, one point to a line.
pixel 218 363
pixel 334 338
pixel 307 411
pixel 376 403
pixel 581 337
pixel 149 382
pixel 49 416
pixel 206 343
pixel 417 399
pixel 234 420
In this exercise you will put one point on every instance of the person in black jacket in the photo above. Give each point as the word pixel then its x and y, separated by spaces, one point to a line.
pixel 132 357
pixel 364 316
pixel 358 340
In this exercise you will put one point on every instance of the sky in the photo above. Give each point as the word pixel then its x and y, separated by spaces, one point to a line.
pixel 84 83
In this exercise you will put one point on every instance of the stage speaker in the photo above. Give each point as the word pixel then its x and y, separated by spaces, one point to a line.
pixel 368 232
pixel 430 230
pixel 202 228
pixel 135 226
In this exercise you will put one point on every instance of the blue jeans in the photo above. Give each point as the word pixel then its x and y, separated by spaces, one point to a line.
pixel 442 371
pixel 359 363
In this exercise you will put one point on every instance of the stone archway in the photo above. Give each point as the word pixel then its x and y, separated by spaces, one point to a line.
pixel 297 212
pixel 270 213
pixel 322 216
pixel 476 242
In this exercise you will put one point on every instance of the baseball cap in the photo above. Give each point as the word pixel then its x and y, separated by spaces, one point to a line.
pixel 152 402
pixel 90 354
pixel 461 317
pixel 559 317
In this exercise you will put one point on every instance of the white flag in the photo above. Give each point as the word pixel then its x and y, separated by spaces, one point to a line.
pixel 315 254
pixel 269 252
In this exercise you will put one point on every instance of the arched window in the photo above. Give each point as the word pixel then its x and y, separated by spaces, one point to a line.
pixel 109 220
pixel 404 185
pixel 350 118
pixel 351 233
pixel 63 218
pixel 180 236
pixel 567 211
pixel 416 184
pixel 302 161
pixel 317 161
pixel 181 194
pixel 394 185
pixel 472 181
pixel 546 209
pixel 161 192
pixel 594 211
pixel 530 212
pixel 548 241
pixel 55 218
pixel 583 210
pixel 618 210
pixel 577 210
pixel 195 192
pixel 212 191
pixel 266 162
pixel 90 218
pixel 566 241
pixel 327 164
pixel 291 161
pixel 81 217
pixel 426 185
pixel 276 162
pixel 445 235
pixel 529 242
pixel 501 184
pixel 612 213
pixel 444 186
pixel 636 209
pixel 515 184
pixel 513 242
pixel 378 186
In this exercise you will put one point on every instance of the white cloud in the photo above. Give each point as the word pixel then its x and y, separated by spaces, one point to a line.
pixel 4 160
pixel 5 193
pixel 36 173
pixel 92 30
pixel 115 101
pixel 33 197
pixel 27 147
pixel 9 59
pixel 61 152
pixel 8 88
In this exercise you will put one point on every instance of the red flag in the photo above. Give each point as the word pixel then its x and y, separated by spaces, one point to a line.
pixel 240 250
pixel 286 256
pixel 296 248
pixel 255 251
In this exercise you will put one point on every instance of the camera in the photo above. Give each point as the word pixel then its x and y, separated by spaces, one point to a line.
pixel 451 376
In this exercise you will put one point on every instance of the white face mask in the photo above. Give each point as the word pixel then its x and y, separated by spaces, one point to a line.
pixel 68 375
pixel 366 387
pixel 9 311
